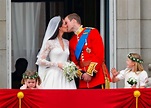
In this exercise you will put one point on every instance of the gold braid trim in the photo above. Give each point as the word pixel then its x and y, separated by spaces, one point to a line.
pixel 91 68
pixel 79 74
pixel 106 77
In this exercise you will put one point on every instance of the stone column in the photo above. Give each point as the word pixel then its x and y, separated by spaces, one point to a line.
pixel 128 31
pixel 3 60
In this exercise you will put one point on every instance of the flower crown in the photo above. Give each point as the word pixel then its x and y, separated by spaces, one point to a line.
pixel 135 59
pixel 30 77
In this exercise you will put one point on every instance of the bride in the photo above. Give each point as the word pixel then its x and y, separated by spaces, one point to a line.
pixel 53 54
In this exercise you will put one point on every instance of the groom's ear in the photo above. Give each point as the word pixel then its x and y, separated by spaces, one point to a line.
pixel 74 20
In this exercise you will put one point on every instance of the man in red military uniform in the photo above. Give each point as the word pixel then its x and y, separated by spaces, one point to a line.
pixel 88 56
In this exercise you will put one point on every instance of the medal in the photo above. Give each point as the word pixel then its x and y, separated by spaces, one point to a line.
pixel 88 50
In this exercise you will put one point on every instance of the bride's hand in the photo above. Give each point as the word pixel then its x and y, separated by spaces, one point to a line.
pixel 60 65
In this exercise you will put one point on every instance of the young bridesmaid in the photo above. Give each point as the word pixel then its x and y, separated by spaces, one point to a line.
pixel 135 76
pixel 30 80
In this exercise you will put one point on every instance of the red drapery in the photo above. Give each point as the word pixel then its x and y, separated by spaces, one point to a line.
pixel 109 98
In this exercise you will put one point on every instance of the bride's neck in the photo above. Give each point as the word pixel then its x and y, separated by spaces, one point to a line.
pixel 60 36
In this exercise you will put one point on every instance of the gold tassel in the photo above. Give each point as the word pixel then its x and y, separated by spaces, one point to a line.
pixel 20 95
pixel 106 77
pixel 107 83
pixel 137 94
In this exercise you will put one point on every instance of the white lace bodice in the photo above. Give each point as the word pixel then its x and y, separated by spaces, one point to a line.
pixel 51 75
pixel 54 52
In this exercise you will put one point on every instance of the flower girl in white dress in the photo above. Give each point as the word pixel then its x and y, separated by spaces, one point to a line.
pixel 135 76
pixel 56 49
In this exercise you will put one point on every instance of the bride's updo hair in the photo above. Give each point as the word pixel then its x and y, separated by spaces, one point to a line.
pixel 57 30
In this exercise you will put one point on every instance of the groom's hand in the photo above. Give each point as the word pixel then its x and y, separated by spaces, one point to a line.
pixel 86 77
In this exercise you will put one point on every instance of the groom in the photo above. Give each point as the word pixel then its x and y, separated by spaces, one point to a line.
pixel 85 54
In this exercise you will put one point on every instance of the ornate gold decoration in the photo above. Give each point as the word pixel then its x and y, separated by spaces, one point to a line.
pixel 91 68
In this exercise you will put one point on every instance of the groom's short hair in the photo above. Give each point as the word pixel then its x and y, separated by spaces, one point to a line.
pixel 74 16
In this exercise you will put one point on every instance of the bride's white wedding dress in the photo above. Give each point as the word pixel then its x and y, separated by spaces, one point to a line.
pixel 53 75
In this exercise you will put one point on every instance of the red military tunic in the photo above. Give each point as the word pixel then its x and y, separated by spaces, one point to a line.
pixel 92 51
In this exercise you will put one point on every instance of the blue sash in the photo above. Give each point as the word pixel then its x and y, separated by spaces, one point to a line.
pixel 81 43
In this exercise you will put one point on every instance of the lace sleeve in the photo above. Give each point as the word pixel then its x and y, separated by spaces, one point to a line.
pixel 43 55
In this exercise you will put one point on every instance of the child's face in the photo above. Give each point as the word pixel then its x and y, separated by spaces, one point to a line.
pixel 130 63
pixel 31 83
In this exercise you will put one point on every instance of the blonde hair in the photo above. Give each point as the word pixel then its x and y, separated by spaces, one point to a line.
pixel 31 75
pixel 138 61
